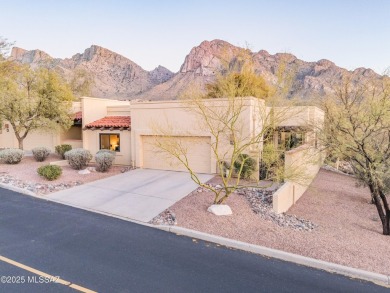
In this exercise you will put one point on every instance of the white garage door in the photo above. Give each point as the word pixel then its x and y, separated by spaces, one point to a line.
pixel 197 150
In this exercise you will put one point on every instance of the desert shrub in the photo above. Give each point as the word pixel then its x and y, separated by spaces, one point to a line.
pixel 11 156
pixel 78 158
pixel 40 153
pixel 104 160
pixel 62 149
pixel 244 164
pixel 272 163
pixel 50 172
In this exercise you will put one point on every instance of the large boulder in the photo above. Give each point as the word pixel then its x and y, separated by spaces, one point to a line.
pixel 220 210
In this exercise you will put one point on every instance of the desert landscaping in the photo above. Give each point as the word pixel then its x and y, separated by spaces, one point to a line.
pixel 344 226
pixel 24 175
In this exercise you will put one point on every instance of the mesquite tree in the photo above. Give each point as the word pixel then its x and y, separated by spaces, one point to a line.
pixel 358 130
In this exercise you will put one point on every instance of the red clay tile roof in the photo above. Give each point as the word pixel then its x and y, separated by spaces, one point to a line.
pixel 78 115
pixel 111 121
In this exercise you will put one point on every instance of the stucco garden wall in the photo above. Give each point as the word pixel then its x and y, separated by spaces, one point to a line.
pixel 301 167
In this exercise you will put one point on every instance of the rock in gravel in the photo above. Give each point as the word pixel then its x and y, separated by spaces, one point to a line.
pixel 220 210
pixel 260 201
pixel 91 169
pixel 84 172
pixel 37 188
pixel 167 217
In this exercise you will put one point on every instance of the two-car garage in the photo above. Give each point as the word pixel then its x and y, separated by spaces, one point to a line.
pixel 196 149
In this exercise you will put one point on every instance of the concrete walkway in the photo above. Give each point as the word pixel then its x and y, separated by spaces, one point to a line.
pixel 139 195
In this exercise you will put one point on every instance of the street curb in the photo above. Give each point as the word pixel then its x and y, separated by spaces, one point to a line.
pixel 379 279
pixel 17 189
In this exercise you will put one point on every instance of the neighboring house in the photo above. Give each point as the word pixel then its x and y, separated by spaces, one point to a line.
pixel 44 138
pixel 130 128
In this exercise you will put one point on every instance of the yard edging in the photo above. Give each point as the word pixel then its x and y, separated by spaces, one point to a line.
pixel 379 279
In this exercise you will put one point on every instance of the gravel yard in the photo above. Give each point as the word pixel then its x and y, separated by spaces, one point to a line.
pixel 344 227
pixel 24 175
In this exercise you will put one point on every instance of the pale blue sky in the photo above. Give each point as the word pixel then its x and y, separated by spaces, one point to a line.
pixel 351 33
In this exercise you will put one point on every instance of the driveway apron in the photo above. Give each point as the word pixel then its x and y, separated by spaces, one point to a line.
pixel 140 195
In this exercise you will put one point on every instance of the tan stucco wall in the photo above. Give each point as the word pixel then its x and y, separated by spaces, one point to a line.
pixel 177 118
pixel 123 157
pixel 34 139
pixel 307 116
pixel 301 167
pixel 94 109
pixel 76 107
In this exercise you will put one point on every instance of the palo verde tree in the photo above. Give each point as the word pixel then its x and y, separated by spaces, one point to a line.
pixel 222 113
pixel 33 100
pixel 358 130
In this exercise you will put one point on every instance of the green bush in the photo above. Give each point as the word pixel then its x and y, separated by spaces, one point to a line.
pixel 104 160
pixel 244 164
pixel 78 158
pixel 50 172
pixel 11 156
pixel 40 153
pixel 62 149
pixel 272 163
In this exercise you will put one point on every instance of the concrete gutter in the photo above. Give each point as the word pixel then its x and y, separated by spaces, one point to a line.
pixel 17 189
pixel 379 279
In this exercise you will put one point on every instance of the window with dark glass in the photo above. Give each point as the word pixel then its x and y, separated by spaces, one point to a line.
pixel 110 142
pixel 290 139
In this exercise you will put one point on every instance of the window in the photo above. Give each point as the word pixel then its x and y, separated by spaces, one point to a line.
pixel 290 139
pixel 110 142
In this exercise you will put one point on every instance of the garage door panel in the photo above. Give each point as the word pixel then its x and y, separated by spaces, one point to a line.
pixel 39 139
pixel 197 150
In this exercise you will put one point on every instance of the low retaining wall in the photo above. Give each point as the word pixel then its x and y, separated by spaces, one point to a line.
pixel 60 163
pixel 286 196
pixel 301 167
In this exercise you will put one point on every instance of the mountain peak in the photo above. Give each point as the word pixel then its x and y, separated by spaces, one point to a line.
pixel 160 74
pixel 17 52
pixel 206 58
pixel 95 51
pixel 33 56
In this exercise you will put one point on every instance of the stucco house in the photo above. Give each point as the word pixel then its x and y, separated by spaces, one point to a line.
pixel 129 129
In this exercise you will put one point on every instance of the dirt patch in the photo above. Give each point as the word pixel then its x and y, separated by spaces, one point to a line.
pixel 348 230
pixel 24 175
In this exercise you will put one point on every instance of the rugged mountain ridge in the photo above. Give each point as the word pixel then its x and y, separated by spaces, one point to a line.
pixel 118 77
pixel 115 76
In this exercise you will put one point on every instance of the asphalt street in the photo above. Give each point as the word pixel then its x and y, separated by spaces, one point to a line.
pixel 105 254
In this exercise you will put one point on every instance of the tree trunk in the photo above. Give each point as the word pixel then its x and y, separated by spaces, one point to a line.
pixel 20 140
pixel 386 225
pixel 382 215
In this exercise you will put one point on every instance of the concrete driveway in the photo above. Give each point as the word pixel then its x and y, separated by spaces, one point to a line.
pixel 140 194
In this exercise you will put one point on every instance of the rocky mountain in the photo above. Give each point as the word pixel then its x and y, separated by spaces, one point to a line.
pixel 116 76
pixel 310 79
